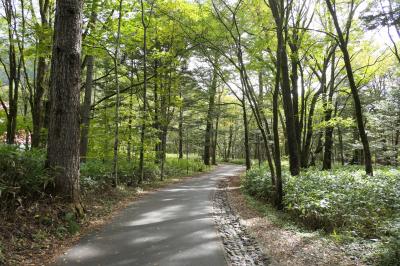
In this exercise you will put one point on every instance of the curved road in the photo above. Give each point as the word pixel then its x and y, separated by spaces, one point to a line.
pixel 173 226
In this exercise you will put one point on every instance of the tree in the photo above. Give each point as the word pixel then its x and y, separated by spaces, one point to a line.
pixel 85 113
pixel 210 115
pixel 343 39
pixel 13 71
pixel 63 137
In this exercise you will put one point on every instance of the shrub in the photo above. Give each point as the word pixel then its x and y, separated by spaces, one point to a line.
pixel 22 173
pixel 342 199
pixel 257 183
pixel 389 253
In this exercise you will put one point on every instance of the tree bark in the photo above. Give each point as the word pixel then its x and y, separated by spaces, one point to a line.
pixel 63 137
pixel 246 136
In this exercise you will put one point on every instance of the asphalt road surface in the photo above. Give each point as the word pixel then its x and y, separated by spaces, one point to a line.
pixel 172 226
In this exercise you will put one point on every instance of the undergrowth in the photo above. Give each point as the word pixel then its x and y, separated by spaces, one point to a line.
pixel 344 202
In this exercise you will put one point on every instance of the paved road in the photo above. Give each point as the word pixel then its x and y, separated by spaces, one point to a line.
pixel 173 226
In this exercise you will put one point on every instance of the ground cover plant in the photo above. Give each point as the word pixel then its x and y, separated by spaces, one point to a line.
pixel 344 202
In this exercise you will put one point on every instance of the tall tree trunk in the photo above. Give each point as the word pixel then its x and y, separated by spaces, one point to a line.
pixel 180 133
pixel 86 108
pixel 63 137
pixel 209 123
pixel 279 12
pixel 130 118
pixel 117 98
pixel 156 124
pixel 87 102
pixel 294 79
pixel 13 73
pixel 246 135
pixel 144 115
pixel 215 137
pixel 229 151
pixel 37 107
pixel 275 128
pixel 308 138
pixel 294 160
pixel 328 104
pixel 354 90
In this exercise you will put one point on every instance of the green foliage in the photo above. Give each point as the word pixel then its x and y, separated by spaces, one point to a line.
pixel 389 252
pixel 181 167
pixel 257 183
pixel 240 161
pixel 96 174
pixel 22 173
pixel 71 223
pixel 343 199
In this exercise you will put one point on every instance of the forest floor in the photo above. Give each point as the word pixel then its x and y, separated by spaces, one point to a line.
pixel 281 244
pixel 36 234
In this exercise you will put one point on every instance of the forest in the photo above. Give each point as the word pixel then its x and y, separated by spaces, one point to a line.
pixel 102 100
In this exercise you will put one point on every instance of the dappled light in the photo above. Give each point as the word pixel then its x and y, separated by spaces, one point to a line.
pixel 123 123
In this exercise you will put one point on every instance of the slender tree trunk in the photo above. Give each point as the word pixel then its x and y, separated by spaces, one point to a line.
pixel 63 137
pixel 341 148
pixel 354 90
pixel 87 102
pixel 37 107
pixel 294 160
pixel 156 123
pixel 86 108
pixel 215 138
pixel 246 135
pixel 210 114
pixel 275 127
pixel 117 99
pixel 13 73
pixel 180 132
pixel 130 118
pixel 144 115
pixel 294 79
pixel 229 151
pixel 327 159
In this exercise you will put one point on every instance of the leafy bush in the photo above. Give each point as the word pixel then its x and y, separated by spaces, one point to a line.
pixel 257 183
pixel 389 253
pixel 22 173
pixel 345 199
pixel 342 199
